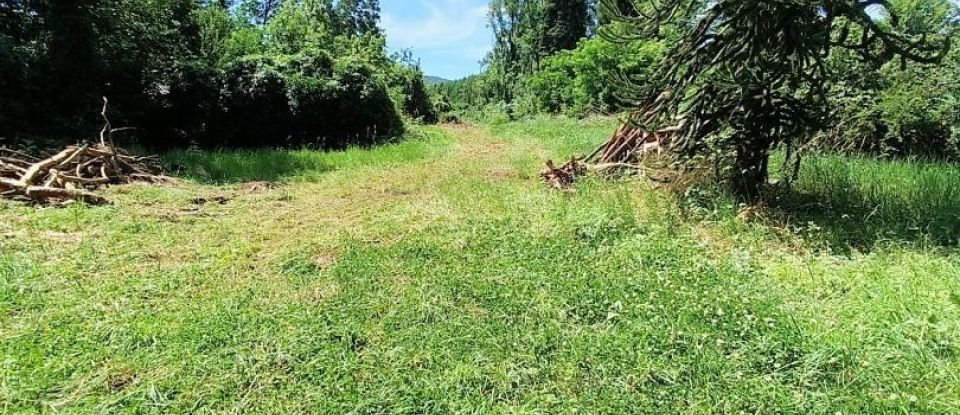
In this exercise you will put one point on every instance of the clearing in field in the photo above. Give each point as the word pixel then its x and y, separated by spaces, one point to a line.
pixel 438 275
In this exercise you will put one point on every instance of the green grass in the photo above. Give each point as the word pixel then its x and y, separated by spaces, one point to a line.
pixel 448 280
pixel 230 166
pixel 862 202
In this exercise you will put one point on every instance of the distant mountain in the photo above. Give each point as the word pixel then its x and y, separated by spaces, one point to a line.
pixel 434 80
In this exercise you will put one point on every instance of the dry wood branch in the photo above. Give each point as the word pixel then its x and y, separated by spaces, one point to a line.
pixel 8 184
pixel 37 169
pixel 106 134
pixel 624 151
pixel 80 151
pixel 71 173
pixel 4 167
pixel 75 171
pixel 44 194
pixel 19 155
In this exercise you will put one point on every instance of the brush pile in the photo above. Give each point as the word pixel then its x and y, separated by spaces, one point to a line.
pixel 624 151
pixel 73 173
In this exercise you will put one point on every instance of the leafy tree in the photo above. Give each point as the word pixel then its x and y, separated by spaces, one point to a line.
pixel 751 75
pixel 74 65
pixel 360 16
pixel 261 11
pixel 209 73
pixel 577 82
pixel 565 23
pixel 516 27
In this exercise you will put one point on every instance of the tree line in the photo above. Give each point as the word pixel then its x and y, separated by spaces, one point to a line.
pixel 211 73
pixel 579 58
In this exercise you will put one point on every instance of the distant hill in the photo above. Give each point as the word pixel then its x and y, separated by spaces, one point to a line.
pixel 434 80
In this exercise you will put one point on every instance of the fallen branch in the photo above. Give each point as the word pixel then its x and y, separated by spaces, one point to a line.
pixel 34 172
pixel 21 155
pixel 43 194
pixel 624 151
pixel 75 171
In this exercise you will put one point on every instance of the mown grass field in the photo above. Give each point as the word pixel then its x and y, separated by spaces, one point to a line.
pixel 437 275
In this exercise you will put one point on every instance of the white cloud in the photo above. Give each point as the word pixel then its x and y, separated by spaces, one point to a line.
pixel 447 25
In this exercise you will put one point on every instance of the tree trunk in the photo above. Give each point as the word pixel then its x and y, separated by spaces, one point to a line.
pixel 750 172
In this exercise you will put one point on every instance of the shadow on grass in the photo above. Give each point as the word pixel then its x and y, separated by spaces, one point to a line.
pixel 860 203
pixel 245 165
pixel 237 166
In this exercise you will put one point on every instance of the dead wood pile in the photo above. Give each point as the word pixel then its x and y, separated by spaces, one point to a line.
pixel 73 173
pixel 624 151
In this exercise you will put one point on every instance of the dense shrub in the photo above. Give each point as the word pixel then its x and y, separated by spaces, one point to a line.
pixel 578 82
pixel 409 90
pixel 464 98
pixel 303 73
pixel 894 111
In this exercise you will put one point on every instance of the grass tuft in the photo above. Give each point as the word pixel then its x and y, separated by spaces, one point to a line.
pixel 859 203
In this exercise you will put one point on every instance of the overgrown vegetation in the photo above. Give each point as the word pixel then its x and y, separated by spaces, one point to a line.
pixel 880 109
pixel 212 74
pixel 446 280
pixel 748 77
pixel 433 273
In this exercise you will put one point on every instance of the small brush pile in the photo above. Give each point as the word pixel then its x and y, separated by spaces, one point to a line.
pixel 75 172
pixel 624 151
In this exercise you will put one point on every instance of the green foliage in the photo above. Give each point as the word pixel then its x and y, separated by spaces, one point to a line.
pixel 471 98
pixel 409 90
pixel 517 27
pixel 751 76
pixel 359 17
pixel 265 73
pixel 892 110
pixel 546 60
pixel 565 23
pixel 578 82
pixel 909 112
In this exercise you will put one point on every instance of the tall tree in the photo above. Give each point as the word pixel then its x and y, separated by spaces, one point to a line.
pixel 516 27
pixel 565 23
pixel 73 62
pixel 260 11
pixel 750 75
pixel 360 16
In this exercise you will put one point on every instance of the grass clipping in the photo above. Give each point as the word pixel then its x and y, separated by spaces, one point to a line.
pixel 75 172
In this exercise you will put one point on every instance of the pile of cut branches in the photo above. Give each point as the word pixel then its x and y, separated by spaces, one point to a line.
pixel 73 173
pixel 624 151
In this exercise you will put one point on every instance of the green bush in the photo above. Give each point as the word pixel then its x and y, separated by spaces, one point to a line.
pixel 189 74
pixel 578 82
pixel 574 82
pixel 898 112
pixel 308 99
pixel 409 91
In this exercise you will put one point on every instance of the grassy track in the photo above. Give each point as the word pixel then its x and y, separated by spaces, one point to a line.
pixel 437 275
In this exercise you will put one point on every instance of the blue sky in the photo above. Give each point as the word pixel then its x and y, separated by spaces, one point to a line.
pixel 450 37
